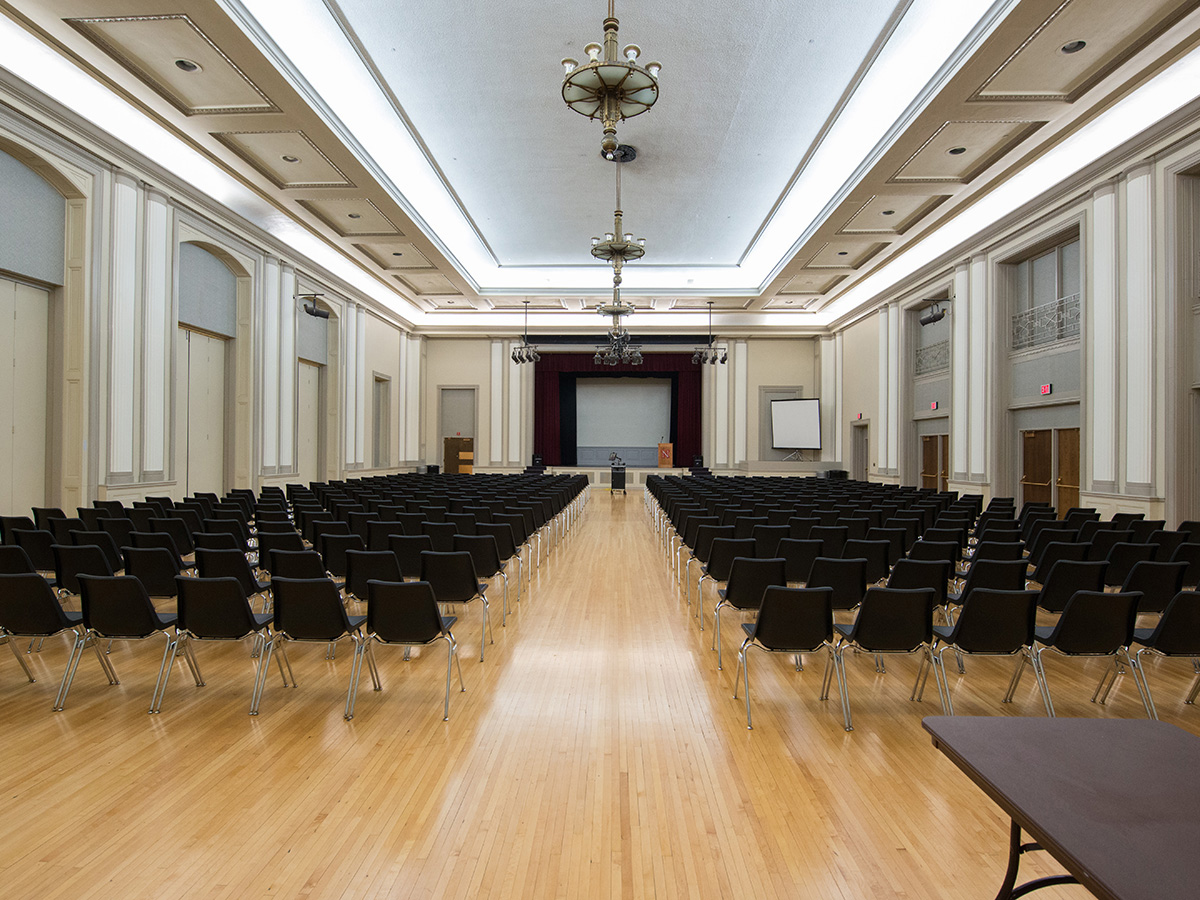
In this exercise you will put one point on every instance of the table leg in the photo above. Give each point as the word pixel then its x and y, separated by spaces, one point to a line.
pixel 1015 849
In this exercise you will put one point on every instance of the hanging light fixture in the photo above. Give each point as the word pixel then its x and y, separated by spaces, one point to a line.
pixel 708 353
pixel 618 248
pixel 526 352
pixel 607 87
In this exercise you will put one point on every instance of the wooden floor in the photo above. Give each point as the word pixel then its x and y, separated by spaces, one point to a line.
pixel 597 753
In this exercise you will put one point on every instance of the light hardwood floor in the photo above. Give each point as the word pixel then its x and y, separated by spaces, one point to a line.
pixel 597 753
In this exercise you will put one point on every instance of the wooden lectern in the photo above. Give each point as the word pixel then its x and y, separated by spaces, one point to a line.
pixel 666 456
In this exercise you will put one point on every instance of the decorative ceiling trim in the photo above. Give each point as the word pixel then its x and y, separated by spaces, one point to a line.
pixel 225 138
pixel 311 206
pixel 984 163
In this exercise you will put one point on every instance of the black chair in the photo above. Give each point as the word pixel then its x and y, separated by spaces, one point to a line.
pixel 215 609
pixel 178 530
pixel 996 574
pixel 71 561
pixel 221 540
pixel 9 524
pixel 408 549
pixel 790 620
pixel 705 535
pixel 379 531
pixel 720 561
pixel 119 530
pixel 888 621
pixel 798 557
pixel 1122 557
pixel 155 567
pixel 89 515
pixel 312 610
pixel 1103 541
pixel 833 538
pixel 15 561
pixel 363 566
pixel 117 608
pixel 992 623
pixel 997 550
pixel 1157 582
pixel 895 539
pixel 42 515
pixel 1176 635
pixel 303 564
pixel 1167 542
pixel 1065 579
pixel 231 526
pixel 914 574
pixel 452 576
pixel 62 529
pixel 104 541
pixel 748 578
pixel 767 538
pixel 270 541
pixel 1189 553
pixel 485 554
pixel 506 546
pixel 333 547
pixel 937 551
pixel 37 546
pixel 799 527
pixel 232 564
pixel 874 552
pixel 1054 552
pixel 847 578
pixel 407 613
pixel 1094 623
pixel 29 609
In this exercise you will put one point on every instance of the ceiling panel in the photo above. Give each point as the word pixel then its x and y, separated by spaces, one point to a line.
pixel 891 214
pixel 428 285
pixel 288 158
pixel 150 46
pixel 535 303
pixel 811 283
pixel 701 303
pixel 352 216
pixel 790 304
pixel 1045 68
pixel 959 151
pixel 844 255
pixel 394 254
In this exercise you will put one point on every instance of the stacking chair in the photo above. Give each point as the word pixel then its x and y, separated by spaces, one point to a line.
pixel 441 533
pixel 833 538
pixel 333 547
pixel 938 551
pixel 790 620
pixel 9 524
pixel 1124 556
pixel 269 541
pixel 1167 542
pixel 15 561
pixel 1103 541
pixel 363 566
pixel 42 515
pixel 992 623
pixel 705 535
pixel 407 613
pixel 89 516
pixel 1052 553
pixel 1176 635
pixel 312 610
pixel 161 540
pixel 117 608
pixel 29 609
pixel 62 529
pixel 888 621
pixel 380 531
pixel 748 578
pixel 485 554
pixel 895 539
pixel 233 564
pixel 71 561
pixel 1187 552
pixel 997 550
pixel 360 523
pixel 799 527
pixel 506 547
pixel 104 541
pixel 37 546
pixel 767 538
pixel 915 574
pixel 1157 582
pixel 155 567
pixel 1141 530
pixel 996 574
pixel 119 530
pixel 220 540
pixel 874 552
pixel 230 526
pixel 178 530
pixel 453 579
pixel 847 578
pixel 1065 579
pixel 215 609
pixel 304 564
pixel 720 561
pixel 1094 623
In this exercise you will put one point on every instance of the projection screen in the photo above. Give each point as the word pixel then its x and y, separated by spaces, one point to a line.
pixel 796 424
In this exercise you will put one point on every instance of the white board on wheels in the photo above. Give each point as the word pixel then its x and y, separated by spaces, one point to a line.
pixel 796 424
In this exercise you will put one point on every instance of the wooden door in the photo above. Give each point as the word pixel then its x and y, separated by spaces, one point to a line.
pixel 1037 462
pixel 1067 469
pixel 862 460
pixel 929 461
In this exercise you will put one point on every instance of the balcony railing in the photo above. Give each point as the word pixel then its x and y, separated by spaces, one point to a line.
pixel 934 358
pixel 1046 324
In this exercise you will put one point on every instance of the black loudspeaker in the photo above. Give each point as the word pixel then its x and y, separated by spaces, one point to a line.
pixel 434 470
pixel 698 462
pixel 537 459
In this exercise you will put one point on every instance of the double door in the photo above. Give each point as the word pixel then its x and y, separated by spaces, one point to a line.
pixel 1050 467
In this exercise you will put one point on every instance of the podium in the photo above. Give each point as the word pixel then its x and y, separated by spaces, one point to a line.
pixel 618 479
pixel 666 456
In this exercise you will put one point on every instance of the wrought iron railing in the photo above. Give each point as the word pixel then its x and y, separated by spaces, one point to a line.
pixel 1046 324
pixel 934 358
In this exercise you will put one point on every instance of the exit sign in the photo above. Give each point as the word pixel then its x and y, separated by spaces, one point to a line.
pixel 1046 388
pixel 933 405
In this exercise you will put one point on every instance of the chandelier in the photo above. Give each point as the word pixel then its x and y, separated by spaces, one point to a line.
pixel 708 353
pixel 607 87
pixel 526 353
pixel 618 248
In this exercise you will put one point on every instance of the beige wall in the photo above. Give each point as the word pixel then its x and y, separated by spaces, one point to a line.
pixel 775 364
pixel 460 363
pixel 860 383
pixel 383 359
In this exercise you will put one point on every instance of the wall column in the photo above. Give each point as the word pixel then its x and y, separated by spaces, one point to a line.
pixel 1139 366
pixel 1100 349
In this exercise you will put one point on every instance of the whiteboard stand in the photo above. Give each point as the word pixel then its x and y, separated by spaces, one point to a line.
pixel 794 456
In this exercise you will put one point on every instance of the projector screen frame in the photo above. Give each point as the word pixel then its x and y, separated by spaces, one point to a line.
pixel 804 416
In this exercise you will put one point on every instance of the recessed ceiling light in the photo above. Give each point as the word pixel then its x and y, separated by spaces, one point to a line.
pixel 843 253
pixel 187 65
pixel 354 215
pixel 888 212
pixel 287 158
pixel 957 151
pixel 1073 46
pixel 397 253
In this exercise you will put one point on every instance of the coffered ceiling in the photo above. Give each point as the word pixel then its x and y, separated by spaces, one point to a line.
pixel 797 149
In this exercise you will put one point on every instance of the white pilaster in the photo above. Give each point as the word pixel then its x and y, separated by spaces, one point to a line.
pixel 884 461
pixel 721 403
pixel 122 326
pixel 360 409
pixel 1139 329
pixel 978 410
pixel 1101 349
pixel 496 400
pixel 893 393
pixel 156 313
pixel 412 406
pixel 269 412
pixel 741 379
pixel 960 369
pixel 516 376
pixel 287 366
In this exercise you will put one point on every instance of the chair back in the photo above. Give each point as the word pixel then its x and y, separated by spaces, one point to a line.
pixel 363 566
pixel 37 545
pixel 1067 577
pixel 1178 631
pixel 946 532
pixel 748 578
pixel 72 561
pixel 178 530
pixel 1102 542
pixel 118 529
pixel 403 612
pixel 452 575
pixel 501 532
pixel 232 527
pixel 215 540
pixel 722 554
pixel 847 578
pixel 1189 553
pixel 998 550
pixel 995 621
pixel 794 619
pixel 333 547
pixel 832 537
pixel 8 524
pixel 1055 551
pixel 295 564
pixel 938 551
pixel 893 620
pixel 104 541
pixel 1095 623
pixel 1157 582
pixel 767 538
pixel 1167 542
pixel 484 552
pixel 799 527
pixel 15 561
pixel 42 516
pixel 278 540
pixel 214 609
pixel 117 606
pixel 895 538
pixel 227 564
pixel 28 605
pixel 309 609
pixel 910 574
pixel 155 567
pixel 1122 557
pixel 998 574
pixel 408 549
pixel 874 552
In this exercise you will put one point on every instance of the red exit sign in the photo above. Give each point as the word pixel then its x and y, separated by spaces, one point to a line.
pixel 1046 389
pixel 933 405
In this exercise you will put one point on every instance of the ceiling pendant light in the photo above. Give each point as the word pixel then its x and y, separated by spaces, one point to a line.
pixel 617 248
pixel 708 353
pixel 526 352
pixel 607 87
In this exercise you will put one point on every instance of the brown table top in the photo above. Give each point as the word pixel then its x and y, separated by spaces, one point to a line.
pixel 1115 801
